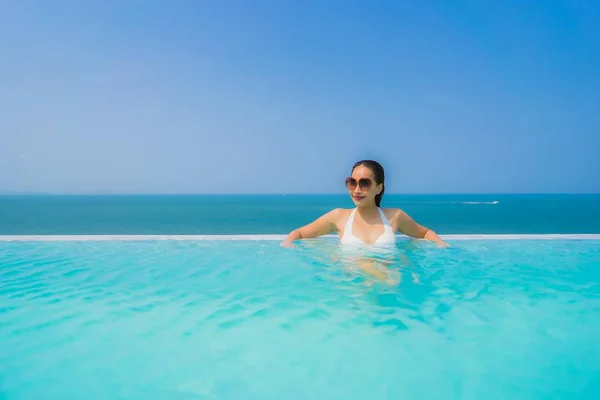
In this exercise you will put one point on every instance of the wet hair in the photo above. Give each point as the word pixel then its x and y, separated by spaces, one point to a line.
pixel 379 174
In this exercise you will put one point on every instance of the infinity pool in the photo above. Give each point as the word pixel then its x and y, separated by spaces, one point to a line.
pixel 247 319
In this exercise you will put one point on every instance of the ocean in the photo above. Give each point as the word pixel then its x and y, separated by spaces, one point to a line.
pixel 279 214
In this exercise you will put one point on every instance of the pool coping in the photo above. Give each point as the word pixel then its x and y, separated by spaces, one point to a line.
pixel 266 237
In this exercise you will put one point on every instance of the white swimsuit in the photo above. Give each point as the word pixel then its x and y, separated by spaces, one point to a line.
pixel 387 237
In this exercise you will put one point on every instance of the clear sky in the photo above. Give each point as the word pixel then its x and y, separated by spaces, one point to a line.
pixel 283 96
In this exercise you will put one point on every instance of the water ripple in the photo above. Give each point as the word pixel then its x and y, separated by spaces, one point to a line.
pixel 249 319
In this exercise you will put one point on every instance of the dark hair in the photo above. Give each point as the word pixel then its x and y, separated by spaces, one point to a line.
pixel 379 176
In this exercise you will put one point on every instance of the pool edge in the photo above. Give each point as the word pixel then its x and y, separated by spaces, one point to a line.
pixel 271 237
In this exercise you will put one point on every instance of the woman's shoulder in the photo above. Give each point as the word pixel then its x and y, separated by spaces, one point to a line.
pixel 393 213
pixel 339 215
pixel 340 212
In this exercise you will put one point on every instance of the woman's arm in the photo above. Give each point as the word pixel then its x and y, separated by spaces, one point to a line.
pixel 323 225
pixel 409 227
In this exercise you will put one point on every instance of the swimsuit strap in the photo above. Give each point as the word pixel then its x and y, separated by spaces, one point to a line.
pixel 383 217
pixel 350 222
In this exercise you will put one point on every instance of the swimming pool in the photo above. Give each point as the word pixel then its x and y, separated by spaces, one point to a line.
pixel 245 319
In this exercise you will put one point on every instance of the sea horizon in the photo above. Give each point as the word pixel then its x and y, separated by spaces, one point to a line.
pixel 259 214
pixel 16 193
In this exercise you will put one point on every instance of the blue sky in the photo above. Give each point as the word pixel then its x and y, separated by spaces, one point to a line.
pixel 282 97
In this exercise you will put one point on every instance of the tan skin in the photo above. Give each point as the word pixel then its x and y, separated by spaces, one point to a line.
pixel 367 222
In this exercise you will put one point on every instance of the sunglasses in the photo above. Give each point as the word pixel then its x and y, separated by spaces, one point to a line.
pixel 363 183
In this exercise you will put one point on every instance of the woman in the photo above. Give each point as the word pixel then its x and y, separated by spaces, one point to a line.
pixel 367 223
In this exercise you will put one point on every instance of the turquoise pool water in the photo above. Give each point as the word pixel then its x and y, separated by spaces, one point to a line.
pixel 246 319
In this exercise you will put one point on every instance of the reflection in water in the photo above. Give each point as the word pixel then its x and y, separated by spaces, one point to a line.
pixel 382 264
pixel 373 264
pixel 400 283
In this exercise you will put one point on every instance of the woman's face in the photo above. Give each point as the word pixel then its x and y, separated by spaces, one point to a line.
pixel 362 187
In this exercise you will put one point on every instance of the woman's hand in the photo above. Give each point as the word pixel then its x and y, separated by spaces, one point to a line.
pixel 442 244
pixel 288 244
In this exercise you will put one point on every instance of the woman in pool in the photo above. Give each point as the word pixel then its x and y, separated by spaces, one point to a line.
pixel 367 223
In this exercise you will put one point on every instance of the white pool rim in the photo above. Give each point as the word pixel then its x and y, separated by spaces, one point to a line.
pixel 279 237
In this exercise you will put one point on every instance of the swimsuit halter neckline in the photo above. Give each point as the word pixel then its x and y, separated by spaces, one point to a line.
pixel 387 236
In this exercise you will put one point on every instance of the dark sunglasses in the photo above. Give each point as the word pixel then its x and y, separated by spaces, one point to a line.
pixel 363 183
